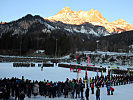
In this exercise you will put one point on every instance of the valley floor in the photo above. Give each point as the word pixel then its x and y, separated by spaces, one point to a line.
pixel 123 92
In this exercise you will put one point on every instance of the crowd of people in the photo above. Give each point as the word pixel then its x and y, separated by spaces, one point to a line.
pixel 20 88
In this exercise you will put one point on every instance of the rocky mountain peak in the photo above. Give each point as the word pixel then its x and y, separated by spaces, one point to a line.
pixel 30 24
pixel 121 24
pixel 120 21
pixel 94 12
pixel 67 16
pixel 28 16
pixel 65 10
pixel 95 16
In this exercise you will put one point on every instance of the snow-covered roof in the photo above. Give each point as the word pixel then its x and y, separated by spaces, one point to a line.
pixel 39 51
pixel 104 53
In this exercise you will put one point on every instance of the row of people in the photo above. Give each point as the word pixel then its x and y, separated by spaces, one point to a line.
pixel 113 80
pixel 19 88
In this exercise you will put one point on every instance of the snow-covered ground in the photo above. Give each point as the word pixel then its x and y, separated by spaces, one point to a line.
pixel 35 73
pixel 123 92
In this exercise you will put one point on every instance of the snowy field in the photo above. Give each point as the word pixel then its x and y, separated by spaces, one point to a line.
pixel 7 70
pixel 35 73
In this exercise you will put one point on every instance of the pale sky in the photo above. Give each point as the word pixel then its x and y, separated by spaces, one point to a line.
pixel 110 9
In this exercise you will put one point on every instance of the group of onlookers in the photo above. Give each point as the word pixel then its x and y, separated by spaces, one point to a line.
pixel 21 88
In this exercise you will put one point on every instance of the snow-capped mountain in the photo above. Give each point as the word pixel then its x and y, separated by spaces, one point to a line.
pixel 66 15
pixel 37 23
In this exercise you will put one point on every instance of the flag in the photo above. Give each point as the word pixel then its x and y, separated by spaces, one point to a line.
pixel 88 60
pixel 86 77
pixel 111 72
pixel 128 72
pixel 102 72
pixel 79 70
pixel 97 72
pixel 71 69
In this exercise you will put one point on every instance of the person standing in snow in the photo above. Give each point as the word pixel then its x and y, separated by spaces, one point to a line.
pixel 17 90
pixel 35 89
pixel 77 87
pixel 82 90
pixel 92 88
pixel 5 94
pixel 22 95
pixel 47 88
pixel 84 82
pixel 98 94
pixel 87 93
pixel 73 89
pixel 112 90
pixel 90 81
pixel 55 89
pixel 29 89
pixel 66 90
pixel 108 88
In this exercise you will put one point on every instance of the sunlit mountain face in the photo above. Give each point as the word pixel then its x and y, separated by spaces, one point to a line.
pixel 68 16
pixel 2 22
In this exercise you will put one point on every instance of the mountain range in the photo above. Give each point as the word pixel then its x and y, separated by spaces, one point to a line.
pixel 68 16
pixel 24 24
pixel 71 30
pixel 35 32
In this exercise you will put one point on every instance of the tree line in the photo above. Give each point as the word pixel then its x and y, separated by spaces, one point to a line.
pixel 61 42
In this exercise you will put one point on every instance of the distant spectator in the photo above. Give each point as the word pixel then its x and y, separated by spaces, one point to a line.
pixel 98 94
pixel 87 93
pixel 35 89
pixel 112 90
pixel 22 95
pixel 92 88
